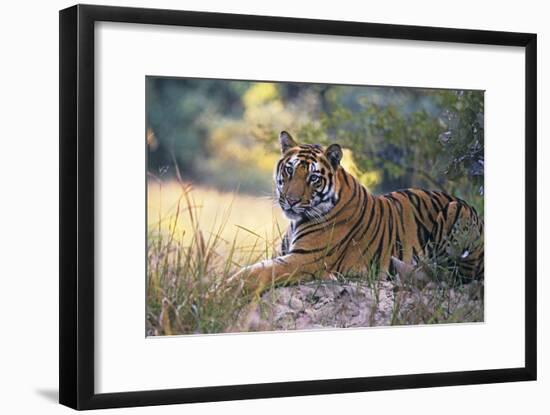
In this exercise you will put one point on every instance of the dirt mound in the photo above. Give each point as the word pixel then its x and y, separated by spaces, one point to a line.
pixel 355 304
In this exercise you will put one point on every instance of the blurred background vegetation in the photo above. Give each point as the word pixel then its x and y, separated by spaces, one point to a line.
pixel 223 134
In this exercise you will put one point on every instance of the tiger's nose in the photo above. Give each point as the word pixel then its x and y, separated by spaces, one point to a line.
pixel 292 200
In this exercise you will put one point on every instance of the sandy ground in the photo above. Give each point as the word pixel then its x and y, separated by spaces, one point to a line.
pixel 322 305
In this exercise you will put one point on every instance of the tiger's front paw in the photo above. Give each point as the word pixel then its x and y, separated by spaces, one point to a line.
pixel 252 279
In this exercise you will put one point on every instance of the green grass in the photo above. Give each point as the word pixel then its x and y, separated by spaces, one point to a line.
pixel 187 270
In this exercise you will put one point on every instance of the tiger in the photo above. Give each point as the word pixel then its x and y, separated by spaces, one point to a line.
pixel 338 227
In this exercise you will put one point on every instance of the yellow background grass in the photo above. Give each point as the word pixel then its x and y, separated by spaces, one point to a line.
pixel 244 215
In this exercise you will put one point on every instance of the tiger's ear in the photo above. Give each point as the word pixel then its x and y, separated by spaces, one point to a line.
pixel 334 154
pixel 286 141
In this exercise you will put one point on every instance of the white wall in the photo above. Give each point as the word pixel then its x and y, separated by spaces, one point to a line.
pixel 28 210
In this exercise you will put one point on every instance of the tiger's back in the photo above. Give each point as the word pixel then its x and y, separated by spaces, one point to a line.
pixel 367 229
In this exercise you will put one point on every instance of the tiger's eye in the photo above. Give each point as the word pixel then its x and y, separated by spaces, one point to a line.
pixel 314 179
pixel 288 170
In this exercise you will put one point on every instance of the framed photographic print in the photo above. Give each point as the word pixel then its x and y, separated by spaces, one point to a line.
pixel 258 206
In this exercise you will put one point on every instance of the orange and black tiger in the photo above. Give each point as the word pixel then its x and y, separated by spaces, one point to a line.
pixel 337 226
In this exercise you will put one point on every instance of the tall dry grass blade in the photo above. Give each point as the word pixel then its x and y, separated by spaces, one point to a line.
pixel 164 318
pixel 249 231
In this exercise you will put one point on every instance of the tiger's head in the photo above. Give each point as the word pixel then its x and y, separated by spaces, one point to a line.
pixel 306 179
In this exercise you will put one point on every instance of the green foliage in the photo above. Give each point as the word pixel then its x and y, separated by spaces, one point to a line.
pixel 423 138
pixel 180 112
pixel 463 138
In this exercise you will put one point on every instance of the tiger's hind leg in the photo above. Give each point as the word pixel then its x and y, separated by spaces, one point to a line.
pixel 408 273
pixel 456 241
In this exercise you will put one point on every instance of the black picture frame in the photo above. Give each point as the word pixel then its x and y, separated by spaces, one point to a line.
pixel 76 280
